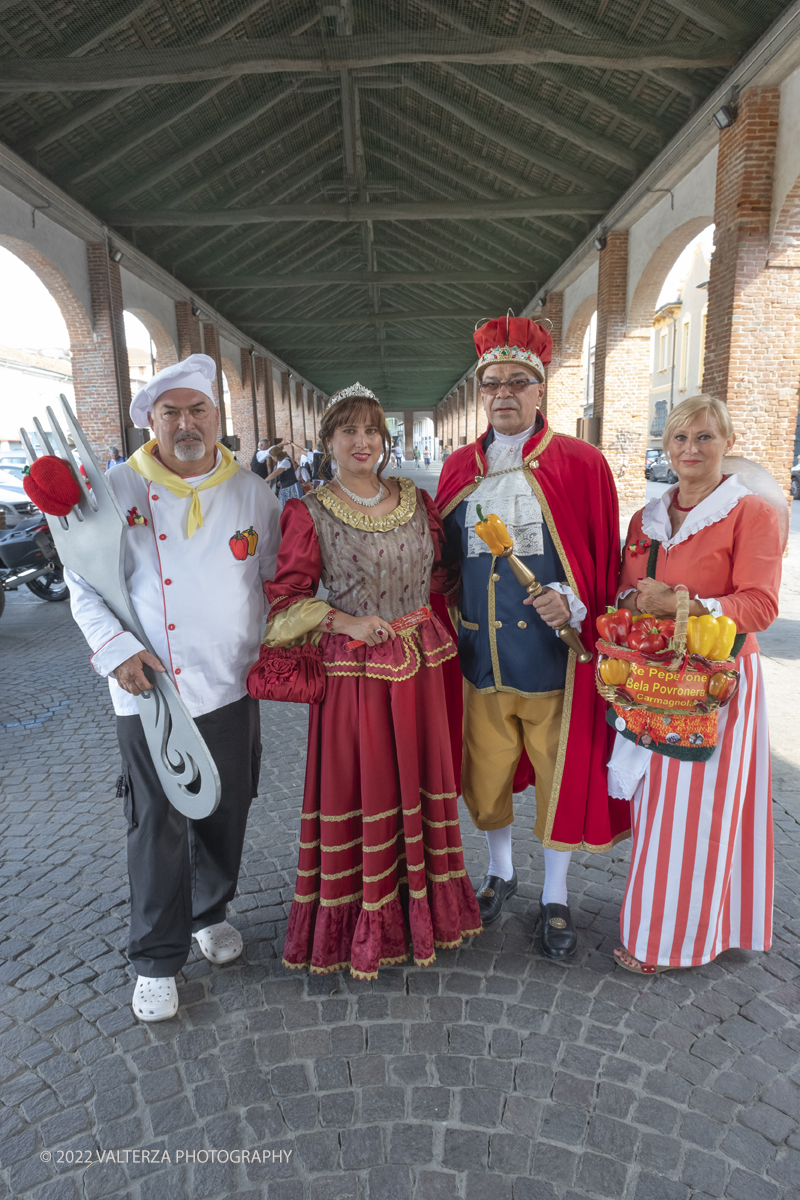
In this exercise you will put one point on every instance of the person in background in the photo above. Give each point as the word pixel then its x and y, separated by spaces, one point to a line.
pixel 426 458
pixel 416 456
pixel 114 457
pixel 259 463
pixel 289 487
pixel 701 873
pixel 196 585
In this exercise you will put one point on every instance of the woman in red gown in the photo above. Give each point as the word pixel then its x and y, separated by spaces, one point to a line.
pixel 381 866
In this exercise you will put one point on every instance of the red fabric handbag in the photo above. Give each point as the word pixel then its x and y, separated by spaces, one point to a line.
pixel 293 674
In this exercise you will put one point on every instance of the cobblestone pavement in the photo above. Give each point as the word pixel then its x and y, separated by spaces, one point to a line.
pixel 493 1074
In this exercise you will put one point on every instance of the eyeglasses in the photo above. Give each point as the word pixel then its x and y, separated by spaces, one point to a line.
pixel 491 386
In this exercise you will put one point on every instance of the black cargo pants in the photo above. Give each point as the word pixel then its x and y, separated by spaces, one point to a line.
pixel 183 873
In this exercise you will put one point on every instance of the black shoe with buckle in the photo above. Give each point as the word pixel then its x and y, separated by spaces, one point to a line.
pixel 492 895
pixel 559 939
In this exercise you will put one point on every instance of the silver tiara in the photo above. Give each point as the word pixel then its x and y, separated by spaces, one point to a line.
pixel 355 389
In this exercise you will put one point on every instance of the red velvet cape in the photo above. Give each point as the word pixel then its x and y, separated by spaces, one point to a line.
pixel 579 502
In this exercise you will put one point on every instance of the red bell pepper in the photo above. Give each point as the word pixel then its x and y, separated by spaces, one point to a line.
pixel 645 641
pixel 666 629
pixel 239 546
pixel 614 625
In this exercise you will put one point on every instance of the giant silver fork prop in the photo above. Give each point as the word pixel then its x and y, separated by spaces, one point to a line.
pixel 91 542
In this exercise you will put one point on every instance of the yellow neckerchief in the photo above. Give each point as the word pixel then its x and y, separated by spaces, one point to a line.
pixel 152 468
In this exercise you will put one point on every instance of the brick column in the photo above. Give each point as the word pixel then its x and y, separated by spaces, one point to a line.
pixel 265 382
pixel 481 422
pixel 752 359
pixel 283 409
pixel 189 341
pixel 102 377
pixel 307 429
pixel 554 313
pixel 472 408
pixel 408 433
pixel 463 437
pixel 249 397
pixel 621 378
pixel 211 348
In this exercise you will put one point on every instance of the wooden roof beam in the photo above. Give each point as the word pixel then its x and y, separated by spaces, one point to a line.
pixel 384 318
pixel 222 130
pixel 522 186
pixel 359 278
pixel 296 183
pixel 482 210
pixel 71 121
pixel 541 114
pixel 524 148
pixel 588 29
pixel 462 183
pixel 305 55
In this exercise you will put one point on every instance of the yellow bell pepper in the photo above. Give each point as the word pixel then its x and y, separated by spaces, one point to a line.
pixel 641 617
pixel 726 634
pixel 252 540
pixel 614 671
pixel 493 532
pixel 710 637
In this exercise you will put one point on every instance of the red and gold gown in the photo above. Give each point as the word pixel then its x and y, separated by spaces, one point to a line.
pixel 381 866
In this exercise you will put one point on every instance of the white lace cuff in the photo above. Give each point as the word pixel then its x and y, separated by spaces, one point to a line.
pixel 577 609
pixel 626 767
pixel 713 606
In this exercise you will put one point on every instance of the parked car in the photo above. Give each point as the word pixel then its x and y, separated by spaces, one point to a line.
pixel 13 501
pixel 650 457
pixel 796 480
pixel 662 472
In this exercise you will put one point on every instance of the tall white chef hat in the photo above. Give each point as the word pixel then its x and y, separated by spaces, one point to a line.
pixel 197 371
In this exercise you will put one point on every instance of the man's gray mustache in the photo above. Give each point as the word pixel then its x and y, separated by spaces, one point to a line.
pixel 186 435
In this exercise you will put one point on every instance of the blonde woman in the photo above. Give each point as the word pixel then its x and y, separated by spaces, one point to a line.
pixel 701 871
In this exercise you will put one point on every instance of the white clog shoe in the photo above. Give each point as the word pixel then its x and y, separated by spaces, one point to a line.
pixel 155 999
pixel 219 943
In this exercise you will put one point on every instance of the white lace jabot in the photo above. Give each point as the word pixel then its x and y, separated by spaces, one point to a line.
pixel 655 517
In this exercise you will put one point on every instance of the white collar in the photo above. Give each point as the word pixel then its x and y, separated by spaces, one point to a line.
pixel 514 439
pixel 655 516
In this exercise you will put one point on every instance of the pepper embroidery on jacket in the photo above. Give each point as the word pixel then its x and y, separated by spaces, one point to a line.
pixel 135 517
pixel 243 544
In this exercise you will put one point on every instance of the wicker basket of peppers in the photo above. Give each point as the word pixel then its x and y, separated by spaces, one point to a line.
pixel 667 680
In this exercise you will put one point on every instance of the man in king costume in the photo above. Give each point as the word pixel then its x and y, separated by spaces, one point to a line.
pixel 203 537
pixel 524 692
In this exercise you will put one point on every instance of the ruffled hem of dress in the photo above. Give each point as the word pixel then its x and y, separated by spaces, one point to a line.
pixel 427 644
pixel 660 529
pixel 326 939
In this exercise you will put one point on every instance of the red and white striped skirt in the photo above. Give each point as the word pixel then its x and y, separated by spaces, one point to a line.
pixel 701 874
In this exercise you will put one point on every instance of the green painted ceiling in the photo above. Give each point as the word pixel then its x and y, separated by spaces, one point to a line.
pixel 449 155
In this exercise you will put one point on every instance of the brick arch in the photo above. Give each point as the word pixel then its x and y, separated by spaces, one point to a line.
pixel 75 316
pixel 565 383
pixel 659 265
pixel 784 249
pixel 573 338
pixel 166 353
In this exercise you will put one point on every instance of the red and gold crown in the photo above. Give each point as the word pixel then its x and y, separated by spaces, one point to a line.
pixel 513 339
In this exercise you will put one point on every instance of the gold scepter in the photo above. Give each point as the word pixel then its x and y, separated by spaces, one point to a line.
pixel 493 532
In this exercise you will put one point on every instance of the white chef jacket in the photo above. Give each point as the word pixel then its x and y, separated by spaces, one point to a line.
pixel 201 607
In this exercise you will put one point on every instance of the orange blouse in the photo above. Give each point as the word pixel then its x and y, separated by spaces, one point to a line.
pixel 736 560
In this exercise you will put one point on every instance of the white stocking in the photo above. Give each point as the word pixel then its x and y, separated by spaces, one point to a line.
pixel 556 863
pixel 499 842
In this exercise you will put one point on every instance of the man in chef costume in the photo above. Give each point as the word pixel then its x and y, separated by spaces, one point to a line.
pixel 200 601
pixel 527 702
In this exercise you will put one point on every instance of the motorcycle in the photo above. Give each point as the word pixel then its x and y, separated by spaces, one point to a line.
pixel 28 555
